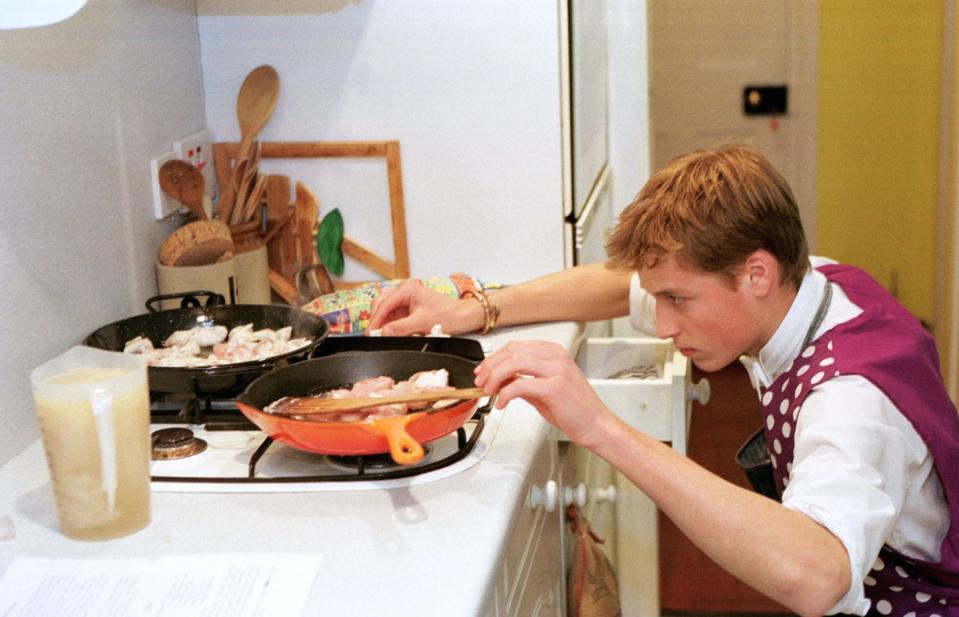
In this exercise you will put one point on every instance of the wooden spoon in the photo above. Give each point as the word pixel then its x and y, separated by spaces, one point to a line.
pixel 301 406
pixel 184 182
pixel 254 106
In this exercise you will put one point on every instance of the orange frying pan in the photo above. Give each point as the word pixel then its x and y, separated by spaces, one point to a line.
pixel 401 436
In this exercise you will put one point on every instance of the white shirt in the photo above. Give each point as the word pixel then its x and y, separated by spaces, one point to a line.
pixel 870 450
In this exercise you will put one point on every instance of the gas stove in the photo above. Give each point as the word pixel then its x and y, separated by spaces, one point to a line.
pixel 204 444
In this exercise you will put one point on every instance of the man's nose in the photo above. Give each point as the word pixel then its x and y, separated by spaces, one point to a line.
pixel 665 327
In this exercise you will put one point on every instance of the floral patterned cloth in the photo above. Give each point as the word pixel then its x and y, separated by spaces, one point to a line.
pixel 348 311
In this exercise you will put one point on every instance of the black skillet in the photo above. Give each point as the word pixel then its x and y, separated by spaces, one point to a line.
pixel 231 378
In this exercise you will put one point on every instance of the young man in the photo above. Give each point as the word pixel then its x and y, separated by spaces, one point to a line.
pixel 862 436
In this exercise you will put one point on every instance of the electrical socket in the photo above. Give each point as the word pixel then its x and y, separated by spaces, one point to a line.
pixel 197 148
pixel 163 204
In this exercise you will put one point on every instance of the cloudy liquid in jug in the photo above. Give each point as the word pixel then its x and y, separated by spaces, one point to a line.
pixel 73 456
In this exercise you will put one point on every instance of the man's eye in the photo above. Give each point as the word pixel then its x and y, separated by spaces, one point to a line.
pixel 677 300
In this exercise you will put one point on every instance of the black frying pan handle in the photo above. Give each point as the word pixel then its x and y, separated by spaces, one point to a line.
pixel 187 299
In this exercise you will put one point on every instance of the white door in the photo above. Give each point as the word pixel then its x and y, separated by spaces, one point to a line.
pixel 703 53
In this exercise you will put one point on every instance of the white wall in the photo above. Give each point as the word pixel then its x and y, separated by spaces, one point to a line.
pixel 470 89
pixel 86 104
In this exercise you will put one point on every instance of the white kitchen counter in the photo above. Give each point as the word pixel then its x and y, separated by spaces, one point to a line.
pixel 428 549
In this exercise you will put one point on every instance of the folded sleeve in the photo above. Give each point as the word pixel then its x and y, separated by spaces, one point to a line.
pixel 642 308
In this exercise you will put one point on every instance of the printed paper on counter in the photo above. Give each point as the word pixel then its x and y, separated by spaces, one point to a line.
pixel 247 585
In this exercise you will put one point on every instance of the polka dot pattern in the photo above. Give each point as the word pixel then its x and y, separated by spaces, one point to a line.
pixel 787 394
pixel 899 590
pixel 893 585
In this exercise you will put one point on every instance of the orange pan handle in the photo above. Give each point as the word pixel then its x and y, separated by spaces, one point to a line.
pixel 403 448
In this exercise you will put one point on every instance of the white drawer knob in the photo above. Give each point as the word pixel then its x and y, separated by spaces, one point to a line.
pixel 578 495
pixel 547 496
pixel 605 495
pixel 699 391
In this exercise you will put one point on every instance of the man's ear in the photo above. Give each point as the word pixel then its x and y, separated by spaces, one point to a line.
pixel 761 273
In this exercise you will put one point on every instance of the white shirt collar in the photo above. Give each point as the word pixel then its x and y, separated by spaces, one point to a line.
pixel 785 343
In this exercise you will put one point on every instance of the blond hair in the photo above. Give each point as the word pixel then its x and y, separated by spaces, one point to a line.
pixel 713 208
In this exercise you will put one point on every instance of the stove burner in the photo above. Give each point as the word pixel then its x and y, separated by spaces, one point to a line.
pixel 370 462
pixel 170 443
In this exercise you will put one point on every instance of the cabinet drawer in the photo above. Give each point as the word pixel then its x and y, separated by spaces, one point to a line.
pixel 528 529
pixel 657 404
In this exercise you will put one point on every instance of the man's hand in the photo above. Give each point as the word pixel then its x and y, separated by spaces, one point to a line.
pixel 546 376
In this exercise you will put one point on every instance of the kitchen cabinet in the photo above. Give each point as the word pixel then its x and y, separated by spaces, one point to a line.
pixel 589 482
pixel 531 580
pixel 647 383
pixel 616 510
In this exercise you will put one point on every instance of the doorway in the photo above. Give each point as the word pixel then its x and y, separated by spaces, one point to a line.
pixel 704 55
pixel 862 145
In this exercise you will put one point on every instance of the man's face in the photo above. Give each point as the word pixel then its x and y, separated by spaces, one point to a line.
pixel 709 320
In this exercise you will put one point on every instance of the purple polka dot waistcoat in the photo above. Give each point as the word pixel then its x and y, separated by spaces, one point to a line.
pixel 890 348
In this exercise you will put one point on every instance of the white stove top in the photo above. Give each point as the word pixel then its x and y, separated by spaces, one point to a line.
pixel 224 466
pixel 373 539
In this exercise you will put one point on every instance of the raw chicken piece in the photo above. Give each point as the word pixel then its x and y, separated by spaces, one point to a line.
pixel 140 345
pixel 209 336
pixel 428 380
pixel 241 334
pixel 241 344
pixel 378 387
pixel 204 336
pixel 273 336
pixel 374 386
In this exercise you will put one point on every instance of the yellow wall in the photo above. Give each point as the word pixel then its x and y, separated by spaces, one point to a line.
pixel 879 76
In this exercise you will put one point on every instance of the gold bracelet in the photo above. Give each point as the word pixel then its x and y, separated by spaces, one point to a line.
pixel 494 310
pixel 490 312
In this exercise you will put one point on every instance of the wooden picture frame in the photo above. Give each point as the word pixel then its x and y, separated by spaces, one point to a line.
pixel 279 213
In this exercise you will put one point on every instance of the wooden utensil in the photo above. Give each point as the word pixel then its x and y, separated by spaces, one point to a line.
pixel 230 197
pixel 184 182
pixel 301 406
pixel 254 106
pixel 247 184
pixel 253 201
pixel 277 226
pixel 306 213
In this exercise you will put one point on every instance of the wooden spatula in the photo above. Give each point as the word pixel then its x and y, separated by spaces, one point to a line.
pixel 307 405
